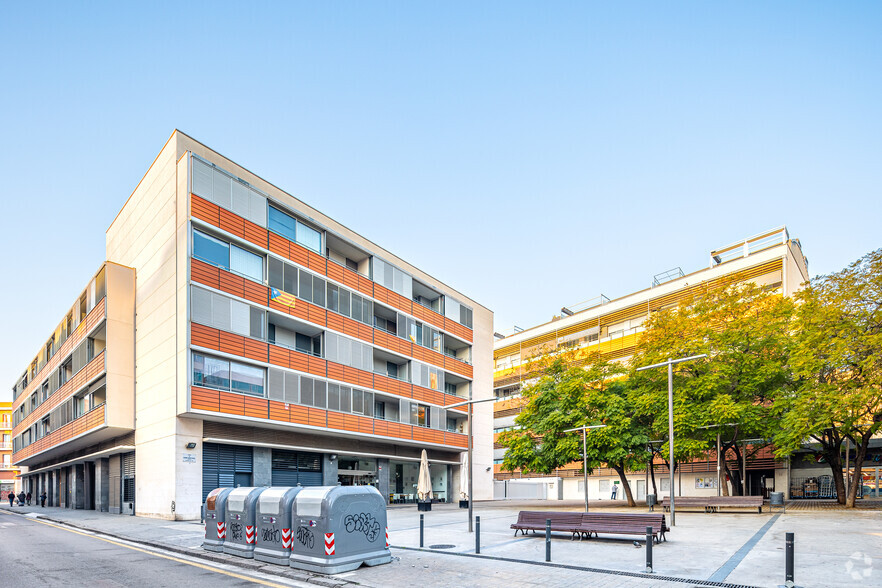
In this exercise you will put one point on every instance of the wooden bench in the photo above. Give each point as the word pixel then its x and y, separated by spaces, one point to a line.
pixel 714 503
pixel 561 522
pixel 582 524
pixel 624 524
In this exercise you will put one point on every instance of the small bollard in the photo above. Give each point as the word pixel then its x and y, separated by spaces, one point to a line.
pixel 422 523
pixel 547 539
pixel 477 534
pixel 649 539
pixel 788 573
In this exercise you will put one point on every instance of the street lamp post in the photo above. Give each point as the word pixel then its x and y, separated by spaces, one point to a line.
pixel 670 363
pixel 469 403
pixel 585 455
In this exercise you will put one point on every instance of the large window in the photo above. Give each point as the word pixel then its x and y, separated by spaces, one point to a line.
pixel 220 374
pixel 227 256
pixel 294 230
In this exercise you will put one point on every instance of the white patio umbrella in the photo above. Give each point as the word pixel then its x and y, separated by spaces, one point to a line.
pixel 424 483
pixel 464 476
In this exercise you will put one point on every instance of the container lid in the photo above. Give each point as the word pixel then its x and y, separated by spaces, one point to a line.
pixel 309 500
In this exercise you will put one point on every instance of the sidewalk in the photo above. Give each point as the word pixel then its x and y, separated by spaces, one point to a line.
pixel 733 548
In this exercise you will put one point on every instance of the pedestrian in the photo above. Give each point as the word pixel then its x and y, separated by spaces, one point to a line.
pixel 21 498
pixel 11 498
pixel 28 498
pixel 615 490
pixel 43 499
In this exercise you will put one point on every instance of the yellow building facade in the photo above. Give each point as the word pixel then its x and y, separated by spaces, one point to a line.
pixel 9 480
pixel 613 327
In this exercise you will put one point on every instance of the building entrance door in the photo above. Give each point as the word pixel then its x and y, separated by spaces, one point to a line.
pixel 641 490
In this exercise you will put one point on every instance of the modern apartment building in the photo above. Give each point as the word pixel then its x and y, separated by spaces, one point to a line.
pixel 8 472
pixel 268 345
pixel 612 327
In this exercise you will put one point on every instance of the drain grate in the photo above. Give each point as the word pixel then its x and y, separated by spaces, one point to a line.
pixel 442 546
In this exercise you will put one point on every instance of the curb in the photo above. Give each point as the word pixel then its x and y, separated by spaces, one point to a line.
pixel 248 564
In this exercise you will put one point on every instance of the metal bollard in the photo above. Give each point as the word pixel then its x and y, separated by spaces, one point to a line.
pixel 547 539
pixel 649 540
pixel 477 534
pixel 788 573
pixel 422 523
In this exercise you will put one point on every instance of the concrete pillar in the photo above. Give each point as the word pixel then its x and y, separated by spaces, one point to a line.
pixel 263 466
pixel 383 477
pixel 63 498
pixel 114 488
pixel 329 469
pixel 102 481
pixel 78 488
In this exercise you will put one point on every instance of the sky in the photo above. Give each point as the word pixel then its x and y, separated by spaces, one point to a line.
pixel 530 155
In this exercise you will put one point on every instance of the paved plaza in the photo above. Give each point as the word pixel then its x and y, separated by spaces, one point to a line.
pixel 834 547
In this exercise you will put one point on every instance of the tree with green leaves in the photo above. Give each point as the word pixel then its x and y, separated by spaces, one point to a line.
pixel 837 362
pixel 743 329
pixel 567 395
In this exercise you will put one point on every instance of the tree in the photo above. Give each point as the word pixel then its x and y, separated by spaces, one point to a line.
pixel 567 396
pixel 837 362
pixel 742 327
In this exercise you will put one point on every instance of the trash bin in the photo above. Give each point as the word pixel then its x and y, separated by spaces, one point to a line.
pixel 776 499
pixel 651 501
pixel 338 528
pixel 241 503
pixel 215 519
pixel 274 532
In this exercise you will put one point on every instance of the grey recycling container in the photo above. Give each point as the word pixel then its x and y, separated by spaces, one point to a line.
pixel 241 534
pixel 274 532
pixel 338 528
pixel 216 519
pixel 650 500
pixel 776 498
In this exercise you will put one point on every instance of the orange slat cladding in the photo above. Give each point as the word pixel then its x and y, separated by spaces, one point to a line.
pixel 95 316
pixel 91 420
pixel 454 365
pixel 299 414
pixel 256 292
pixel 232 223
pixel 298 254
pixel 256 234
pixel 231 403
pixel 335 321
pixel 335 371
pixel 279 356
pixel 317 315
pixel 256 407
pixel 255 349
pixel 278 411
pixel 231 343
pixel 365 286
pixel 204 273
pixel 317 263
pixel 350 327
pixel 204 399
pixel 350 279
pixel 204 210
pixel 335 420
pixel 317 417
pixel 88 373
pixel 232 283
pixel 203 336
pixel 298 361
pixel 456 439
pixel 335 271
pixel 365 333
pixel 279 245
pixel 317 366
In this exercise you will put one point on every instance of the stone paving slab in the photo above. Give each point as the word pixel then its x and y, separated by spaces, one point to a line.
pixel 832 546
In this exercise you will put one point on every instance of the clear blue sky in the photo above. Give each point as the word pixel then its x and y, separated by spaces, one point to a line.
pixel 529 154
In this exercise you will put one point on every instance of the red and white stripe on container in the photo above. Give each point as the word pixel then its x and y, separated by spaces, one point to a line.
pixel 287 539
pixel 249 533
pixel 329 544
pixel 387 537
pixel 221 530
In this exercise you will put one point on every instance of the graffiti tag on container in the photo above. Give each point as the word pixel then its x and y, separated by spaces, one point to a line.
pixel 305 537
pixel 271 534
pixel 362 522
pixel 236 531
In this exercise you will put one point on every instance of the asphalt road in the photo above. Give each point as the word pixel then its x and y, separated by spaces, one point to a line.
pixel 37 553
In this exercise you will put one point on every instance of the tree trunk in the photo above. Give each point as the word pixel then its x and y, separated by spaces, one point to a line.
pixel 652 475
pixel 834 459
pixel 620 470
pixel 725 481
pixel 857 480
